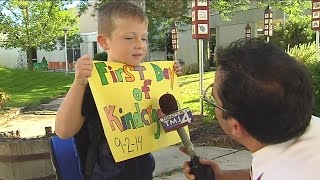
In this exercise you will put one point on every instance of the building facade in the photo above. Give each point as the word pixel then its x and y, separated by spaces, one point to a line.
pixel 224 32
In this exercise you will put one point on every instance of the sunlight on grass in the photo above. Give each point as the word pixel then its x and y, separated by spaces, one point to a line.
pixel 189 87
pixel 38 90
pixel 31 88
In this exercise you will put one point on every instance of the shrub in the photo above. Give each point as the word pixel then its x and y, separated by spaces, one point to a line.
pixel 101 56
pixel 209 114
pixel 314 69
pixel 3 100
pixel 191 69
pixel 305 53
pixel 296 31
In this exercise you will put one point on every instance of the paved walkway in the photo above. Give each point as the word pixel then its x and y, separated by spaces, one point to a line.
pixel 168 160
pixel 32 123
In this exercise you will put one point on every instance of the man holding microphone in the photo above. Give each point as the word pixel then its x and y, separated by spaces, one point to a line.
pixel 263 99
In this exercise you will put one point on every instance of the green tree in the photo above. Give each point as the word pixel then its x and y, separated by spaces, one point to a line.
pixel 73 41
pixel 296 31
pixel 162 15
pixel 226 8
pixel 32 25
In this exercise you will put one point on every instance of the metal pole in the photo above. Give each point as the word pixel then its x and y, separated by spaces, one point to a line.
pixel 201 74
pixel 175 55
pixel 65 50
pixel 284 19
pixel 317 45
pixel 72 53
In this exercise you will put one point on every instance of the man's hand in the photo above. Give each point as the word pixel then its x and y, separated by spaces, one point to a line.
pixel 214 167
pixel 83 70
pixel 177 68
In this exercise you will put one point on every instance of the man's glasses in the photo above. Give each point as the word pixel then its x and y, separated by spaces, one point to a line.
pixel 207 96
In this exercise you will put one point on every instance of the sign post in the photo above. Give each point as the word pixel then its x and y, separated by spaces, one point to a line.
pixel 268 23
pixel 316 23
pixel 200 31
pixel 248 31
pixel 65 30
pixel 174 40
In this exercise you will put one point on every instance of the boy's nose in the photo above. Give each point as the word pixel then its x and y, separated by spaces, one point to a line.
pixel 139 44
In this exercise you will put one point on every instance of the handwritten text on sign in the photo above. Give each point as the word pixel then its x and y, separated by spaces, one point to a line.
pixel 127 101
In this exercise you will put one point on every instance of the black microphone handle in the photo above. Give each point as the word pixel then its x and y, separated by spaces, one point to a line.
pixel 201 172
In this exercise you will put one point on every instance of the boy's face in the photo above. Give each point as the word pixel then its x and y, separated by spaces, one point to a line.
pixel 128 42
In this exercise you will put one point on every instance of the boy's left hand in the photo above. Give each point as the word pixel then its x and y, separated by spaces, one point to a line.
pixel 177 68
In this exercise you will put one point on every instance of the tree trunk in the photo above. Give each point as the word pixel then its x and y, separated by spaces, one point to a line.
pixel 206 62
pixel 29 55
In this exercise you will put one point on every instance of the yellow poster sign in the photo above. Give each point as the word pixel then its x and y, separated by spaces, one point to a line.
pixel 127 99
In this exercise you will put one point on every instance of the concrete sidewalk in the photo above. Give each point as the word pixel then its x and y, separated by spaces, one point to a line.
pixel 169 160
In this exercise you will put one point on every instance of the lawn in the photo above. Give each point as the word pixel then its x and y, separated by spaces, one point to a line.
pixel 189 87
pixel 31 88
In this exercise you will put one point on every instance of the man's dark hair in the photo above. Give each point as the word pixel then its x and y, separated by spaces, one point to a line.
pixel 265 89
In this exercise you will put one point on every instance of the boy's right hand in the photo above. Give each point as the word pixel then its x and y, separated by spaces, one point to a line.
pixel 83 70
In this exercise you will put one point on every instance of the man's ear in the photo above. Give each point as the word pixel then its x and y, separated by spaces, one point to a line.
pixel 237 130
pixel 103 42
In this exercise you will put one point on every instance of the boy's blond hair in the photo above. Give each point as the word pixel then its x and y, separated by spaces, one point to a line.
pixel 110 13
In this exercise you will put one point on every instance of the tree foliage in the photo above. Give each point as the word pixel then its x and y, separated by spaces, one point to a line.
pixel 296 31
pixel 35 24
pixel 73 41
pixel 226 8
pixel 163 14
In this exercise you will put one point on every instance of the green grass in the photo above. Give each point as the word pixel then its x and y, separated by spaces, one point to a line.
pixel 189 87
pixel 31 88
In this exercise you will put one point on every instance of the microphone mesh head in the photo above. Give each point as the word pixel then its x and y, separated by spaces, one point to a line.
pixel 168 103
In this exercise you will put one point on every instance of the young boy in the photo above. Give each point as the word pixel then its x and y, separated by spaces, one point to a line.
pixel 123 33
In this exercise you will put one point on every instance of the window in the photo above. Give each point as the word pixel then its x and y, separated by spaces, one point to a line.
pixel 95 48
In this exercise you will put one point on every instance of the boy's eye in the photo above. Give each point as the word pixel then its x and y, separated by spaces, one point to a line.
pixel 129 38
pixel 144 39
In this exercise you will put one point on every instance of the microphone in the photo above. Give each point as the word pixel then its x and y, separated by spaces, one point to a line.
pixel 176 119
